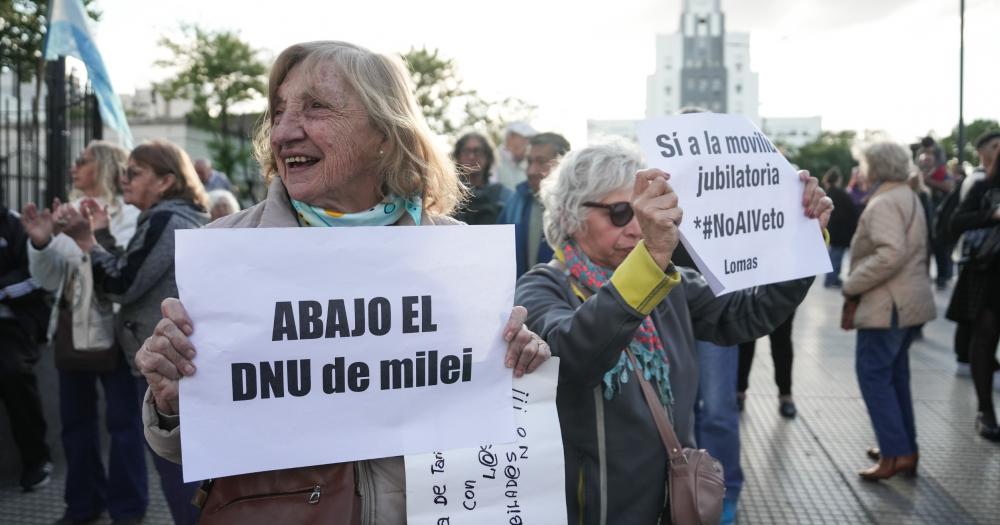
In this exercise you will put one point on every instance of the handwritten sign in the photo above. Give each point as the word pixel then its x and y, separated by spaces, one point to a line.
pixel 744 223
pixel 323 345
pixel 521 482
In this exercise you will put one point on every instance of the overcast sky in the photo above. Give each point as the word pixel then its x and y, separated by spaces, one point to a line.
pixel 860 64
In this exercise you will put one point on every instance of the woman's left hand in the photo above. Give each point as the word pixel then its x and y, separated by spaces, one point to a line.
pixel 815 203
pixel 76 226
pixel 525 350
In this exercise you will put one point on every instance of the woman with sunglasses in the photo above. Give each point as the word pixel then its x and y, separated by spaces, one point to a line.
pixel 614 228
pixel 161 182
pixel 87 353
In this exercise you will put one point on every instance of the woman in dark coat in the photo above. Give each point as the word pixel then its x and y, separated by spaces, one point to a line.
pixel 977 293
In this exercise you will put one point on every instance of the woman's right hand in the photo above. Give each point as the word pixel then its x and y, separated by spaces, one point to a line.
pixel 96 214
pixel 165 357
pixel 39 225
pixel 655 205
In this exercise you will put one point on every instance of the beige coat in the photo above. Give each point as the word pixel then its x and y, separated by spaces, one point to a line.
pixel 382 482
pixel 889 260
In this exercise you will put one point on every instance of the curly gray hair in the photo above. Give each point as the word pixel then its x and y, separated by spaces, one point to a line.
pixel 582 176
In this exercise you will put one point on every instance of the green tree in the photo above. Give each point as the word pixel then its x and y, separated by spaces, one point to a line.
pixel 828 150
pixel 23 25
pixel 972 131
pixel 449 106
pixel 216 70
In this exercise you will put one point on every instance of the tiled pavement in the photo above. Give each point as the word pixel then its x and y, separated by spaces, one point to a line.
pixel 799 471
pixel 804 470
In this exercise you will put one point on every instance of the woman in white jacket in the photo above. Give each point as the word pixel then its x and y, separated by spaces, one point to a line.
pixel 86 351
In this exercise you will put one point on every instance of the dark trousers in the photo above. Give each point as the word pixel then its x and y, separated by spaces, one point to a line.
pixel 19 392
pixel 781 354
pixel 123 490
pixel 177 493
pixel 883 368
pixel 836 261
pixel 963 336
pixel 717 414
pixel 942 259
pixel 982 359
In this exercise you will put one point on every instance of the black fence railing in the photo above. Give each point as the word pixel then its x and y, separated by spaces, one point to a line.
pixel 22 164
pixel 44 124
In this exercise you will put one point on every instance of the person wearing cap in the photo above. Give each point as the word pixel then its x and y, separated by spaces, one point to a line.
pixel 524 209
pixel 971 297
pixel 987 148
pixel 512 169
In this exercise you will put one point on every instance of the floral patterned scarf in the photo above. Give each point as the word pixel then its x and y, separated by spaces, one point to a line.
pixel 646 344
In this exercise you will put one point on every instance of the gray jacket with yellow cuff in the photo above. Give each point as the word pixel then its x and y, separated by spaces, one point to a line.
pixel 615 462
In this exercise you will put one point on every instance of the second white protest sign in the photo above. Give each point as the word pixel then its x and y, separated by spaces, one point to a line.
pixel 743 218
pixel 323 345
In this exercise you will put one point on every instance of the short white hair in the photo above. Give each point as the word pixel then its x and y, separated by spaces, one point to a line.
pixel 886 162
pixel 215 196
pixel 587 175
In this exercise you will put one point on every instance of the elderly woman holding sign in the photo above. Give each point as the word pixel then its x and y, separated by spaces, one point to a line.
pixel 349 146
pixel 612 305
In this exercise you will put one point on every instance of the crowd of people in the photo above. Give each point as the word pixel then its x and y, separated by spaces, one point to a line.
pixel 602 283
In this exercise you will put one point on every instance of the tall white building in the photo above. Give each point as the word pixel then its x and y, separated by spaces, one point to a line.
pixel 703 65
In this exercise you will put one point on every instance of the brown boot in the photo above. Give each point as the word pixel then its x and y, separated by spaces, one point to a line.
pixel 889 467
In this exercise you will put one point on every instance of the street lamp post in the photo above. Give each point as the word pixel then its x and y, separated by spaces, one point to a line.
pixel 961 81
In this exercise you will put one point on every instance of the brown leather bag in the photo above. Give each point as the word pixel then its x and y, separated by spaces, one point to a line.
pixel 848 311
pixel 695 484
pixel 323 494
pixel 69 359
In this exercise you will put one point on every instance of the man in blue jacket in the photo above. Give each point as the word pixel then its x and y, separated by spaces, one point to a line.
pixel 524 209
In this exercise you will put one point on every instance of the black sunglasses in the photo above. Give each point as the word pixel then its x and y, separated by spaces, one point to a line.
pixel 130 174
pixel 620 213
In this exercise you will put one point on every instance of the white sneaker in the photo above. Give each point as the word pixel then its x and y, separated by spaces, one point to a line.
pixel 963 370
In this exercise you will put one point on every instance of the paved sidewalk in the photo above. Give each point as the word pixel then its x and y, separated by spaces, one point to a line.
pixel 798 472
pixel 805 470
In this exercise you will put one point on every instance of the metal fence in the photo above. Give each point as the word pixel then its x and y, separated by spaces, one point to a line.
pixel 44 123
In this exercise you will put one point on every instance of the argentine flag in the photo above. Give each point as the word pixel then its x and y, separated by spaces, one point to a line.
pixel 69 35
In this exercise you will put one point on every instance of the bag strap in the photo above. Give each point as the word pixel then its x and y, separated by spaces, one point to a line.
pixel 667 435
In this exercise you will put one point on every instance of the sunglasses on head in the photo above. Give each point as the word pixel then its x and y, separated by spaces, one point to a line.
pixel 620 213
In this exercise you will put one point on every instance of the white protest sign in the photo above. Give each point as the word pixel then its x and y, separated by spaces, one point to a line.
pixel 521 482
pixel 323 345
pixel 744 224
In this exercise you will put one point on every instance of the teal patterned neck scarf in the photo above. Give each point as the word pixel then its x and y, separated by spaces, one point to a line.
pixel 387 212
pixel 646 344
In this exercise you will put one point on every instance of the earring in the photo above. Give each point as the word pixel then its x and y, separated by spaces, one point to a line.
pixel 380 152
